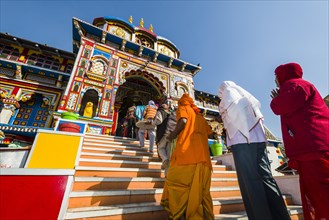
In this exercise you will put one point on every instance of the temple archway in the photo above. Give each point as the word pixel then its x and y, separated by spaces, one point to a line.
pixel 139 87
pixel 90 95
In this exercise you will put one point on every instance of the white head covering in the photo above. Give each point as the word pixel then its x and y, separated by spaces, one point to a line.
pixel 240 110
pixel 152 104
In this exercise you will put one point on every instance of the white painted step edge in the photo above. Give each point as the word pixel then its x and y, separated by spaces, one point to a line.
pixel 117 155
pixel 133 169
pixel 293 210
pixel 125 156
pixel 136 179
pixel 130 162
pixel 110 146
pixel 127 192
pixel 113 210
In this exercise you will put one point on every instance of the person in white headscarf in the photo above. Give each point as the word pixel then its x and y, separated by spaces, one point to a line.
pixel 243 121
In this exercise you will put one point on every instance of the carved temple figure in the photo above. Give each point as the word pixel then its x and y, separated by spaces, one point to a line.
pixel 88 111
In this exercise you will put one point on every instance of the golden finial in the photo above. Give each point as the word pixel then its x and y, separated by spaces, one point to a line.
pixel 141 23
pixel 151 27
pixel 130 19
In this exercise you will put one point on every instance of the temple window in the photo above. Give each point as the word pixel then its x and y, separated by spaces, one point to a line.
pixel 98 67
pixel 44 61
pixel 8 52
pixel 68 68
pixel 144 41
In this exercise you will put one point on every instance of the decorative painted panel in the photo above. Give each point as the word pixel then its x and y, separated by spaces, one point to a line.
pixel 71 101
pixel 144 41
pixel 108 94
pixel 111 76
pixel 118 31
pixel 80 72
pixel 86 53
pixel 95 130
pixel 76 87
pixel 101 53
pixel 41 79
pixel 6 90
pixel 105 108
pixel 83 63
pixel 7 72
pixel 165 50
pixel 33 112
pixel 113 62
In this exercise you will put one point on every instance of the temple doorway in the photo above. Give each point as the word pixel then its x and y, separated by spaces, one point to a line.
pixel 138 89
pixel 89 103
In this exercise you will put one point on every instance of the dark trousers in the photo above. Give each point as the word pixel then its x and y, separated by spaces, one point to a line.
pixel 132 128
pixel 261 195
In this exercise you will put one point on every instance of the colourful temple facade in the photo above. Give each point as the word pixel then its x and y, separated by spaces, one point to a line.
pixel 119 64
pixel 51 100
pixel 113 65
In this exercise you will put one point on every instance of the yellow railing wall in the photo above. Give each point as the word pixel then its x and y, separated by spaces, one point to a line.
pixel 54 150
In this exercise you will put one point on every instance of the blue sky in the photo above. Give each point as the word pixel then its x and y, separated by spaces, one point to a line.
pixel 242 41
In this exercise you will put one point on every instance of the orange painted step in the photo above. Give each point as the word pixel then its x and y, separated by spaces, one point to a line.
pixel 120 152
pixel 115 197
pixel 158 215
pixel 119 157
pixel 145 211
pixel 115 146
pixel 98 183
pixel 118 172
pixel 136 172
pixel 132 164
pixel 119 163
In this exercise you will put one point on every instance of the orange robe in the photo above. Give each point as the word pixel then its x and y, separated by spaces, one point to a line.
pixel 187 187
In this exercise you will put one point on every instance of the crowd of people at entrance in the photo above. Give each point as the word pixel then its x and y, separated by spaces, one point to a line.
pixel 181 136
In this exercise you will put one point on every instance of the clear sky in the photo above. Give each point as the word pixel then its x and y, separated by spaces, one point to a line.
pixel 242 41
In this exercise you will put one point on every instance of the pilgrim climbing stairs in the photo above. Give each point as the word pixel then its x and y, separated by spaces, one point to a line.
pixel 118 180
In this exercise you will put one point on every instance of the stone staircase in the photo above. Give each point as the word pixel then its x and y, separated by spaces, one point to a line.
pixel 118 180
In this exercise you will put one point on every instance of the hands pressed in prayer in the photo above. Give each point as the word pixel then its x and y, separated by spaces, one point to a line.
pixel 274 93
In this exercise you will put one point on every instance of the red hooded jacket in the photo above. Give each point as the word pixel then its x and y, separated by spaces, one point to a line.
pixel 304 114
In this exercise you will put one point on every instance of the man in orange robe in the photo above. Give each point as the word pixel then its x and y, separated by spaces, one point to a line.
pixel 186 193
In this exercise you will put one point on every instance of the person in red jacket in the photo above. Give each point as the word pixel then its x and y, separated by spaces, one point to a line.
pixel 305 132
